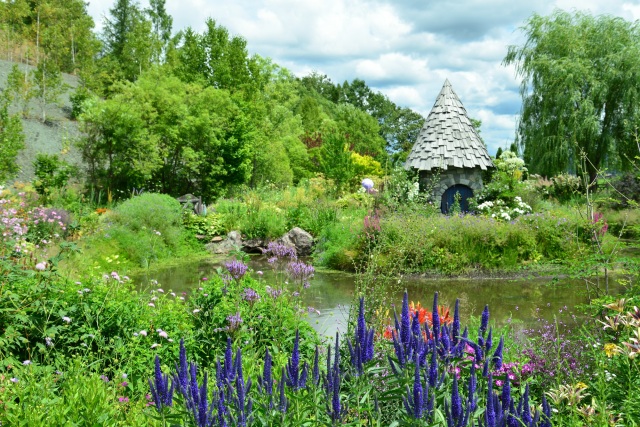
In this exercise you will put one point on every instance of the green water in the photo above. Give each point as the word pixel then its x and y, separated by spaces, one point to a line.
pixel 521 302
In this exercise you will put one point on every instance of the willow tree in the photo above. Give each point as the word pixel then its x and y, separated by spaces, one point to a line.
pixel 580 89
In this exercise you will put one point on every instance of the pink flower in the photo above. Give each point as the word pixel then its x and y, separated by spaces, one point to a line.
pixel 41 266
pixel 143 333
pixel 163 334
pixel 151 304
pixel 122 399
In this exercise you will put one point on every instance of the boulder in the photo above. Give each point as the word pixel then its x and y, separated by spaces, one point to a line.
pixel 253 246
pixel 298 239
pixel 231 243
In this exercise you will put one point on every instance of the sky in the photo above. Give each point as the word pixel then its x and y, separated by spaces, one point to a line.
pixel 404 49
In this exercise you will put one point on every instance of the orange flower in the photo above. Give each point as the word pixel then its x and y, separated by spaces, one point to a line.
pixel 100 211
pixel 388 332
pixel 422 313
pixel 426 316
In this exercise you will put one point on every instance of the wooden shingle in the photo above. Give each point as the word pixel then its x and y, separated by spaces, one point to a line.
pixel 448 139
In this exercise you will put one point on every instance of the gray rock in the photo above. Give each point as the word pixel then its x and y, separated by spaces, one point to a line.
pixel 231 243
pixel 253 246
pixel 298 239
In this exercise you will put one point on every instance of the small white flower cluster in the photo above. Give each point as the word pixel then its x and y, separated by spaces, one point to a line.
pixel 413 190
pixel 500 210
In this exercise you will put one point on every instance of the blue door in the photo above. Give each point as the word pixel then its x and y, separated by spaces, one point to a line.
pixel 448 198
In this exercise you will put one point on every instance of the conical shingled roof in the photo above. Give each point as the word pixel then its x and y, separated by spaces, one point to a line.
pixel 448 139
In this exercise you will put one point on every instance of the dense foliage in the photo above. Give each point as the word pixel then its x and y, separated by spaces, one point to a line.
pixel 580 91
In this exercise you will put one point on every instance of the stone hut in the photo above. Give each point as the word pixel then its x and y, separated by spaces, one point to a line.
pixel 449 154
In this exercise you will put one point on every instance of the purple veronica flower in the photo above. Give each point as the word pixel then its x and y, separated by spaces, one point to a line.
pixel 363 350
pixel 405 322
pixel 266 381
pixel 160 390
pixel 182 376
pixel 489 415
pixel 283 403
pixel 435 317
pixel 497 355
pixel 456 401
pixel 416 400
pixel 455 331
pixel 484 321
pixel 296 379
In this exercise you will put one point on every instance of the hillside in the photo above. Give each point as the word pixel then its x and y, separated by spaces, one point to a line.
pixel 53 137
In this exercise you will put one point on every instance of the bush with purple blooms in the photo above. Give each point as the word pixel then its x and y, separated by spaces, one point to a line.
pixel 235 304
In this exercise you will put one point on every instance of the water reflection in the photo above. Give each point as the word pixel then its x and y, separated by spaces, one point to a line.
pixel 520 301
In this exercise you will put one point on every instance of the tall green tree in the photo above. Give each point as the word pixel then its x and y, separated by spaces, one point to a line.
pixel 129 42
pixel 217 59
pixel 20 87
pixel 161 23
pixel 12 14
pixel 11 139
pixel 580 89
pixel 118 149
pixel 48 85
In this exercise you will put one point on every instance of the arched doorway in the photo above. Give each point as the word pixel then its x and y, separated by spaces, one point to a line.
pixel 448 198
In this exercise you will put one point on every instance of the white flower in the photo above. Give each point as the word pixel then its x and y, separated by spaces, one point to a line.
pixel 154 345
pixel 197 310
pixel 151 304
pixel 163 334
pixel 66 319
pixel 143 333
pixel 26 362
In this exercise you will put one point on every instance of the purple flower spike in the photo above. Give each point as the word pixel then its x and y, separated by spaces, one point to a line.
pixel 455 331
pixel 160 390
pixel 405 322
pixel 266 381
pixel 283 403
pixel 435 317
pixel 497 355
pixel 484 321
pixel 456 401
pixel 182 376
pixel 294 378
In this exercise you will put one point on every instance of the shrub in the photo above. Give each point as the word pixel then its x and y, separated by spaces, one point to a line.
pixel 566 187
pixel 627 190
pixel 147 228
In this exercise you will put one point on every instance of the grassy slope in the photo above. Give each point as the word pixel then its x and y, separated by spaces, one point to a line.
pixel 53 137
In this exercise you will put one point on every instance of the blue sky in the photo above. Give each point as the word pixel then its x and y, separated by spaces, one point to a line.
pixel 403 48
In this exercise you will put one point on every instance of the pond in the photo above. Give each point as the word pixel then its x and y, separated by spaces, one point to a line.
pixel 518 301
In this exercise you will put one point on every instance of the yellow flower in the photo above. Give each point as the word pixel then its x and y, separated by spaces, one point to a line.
pixel 611 349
